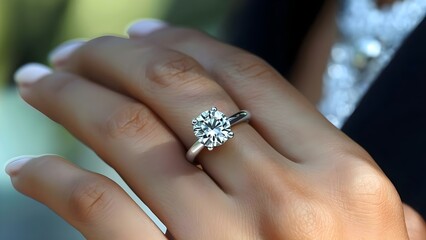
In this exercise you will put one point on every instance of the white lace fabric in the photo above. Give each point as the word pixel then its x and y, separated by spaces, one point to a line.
pixel 369 37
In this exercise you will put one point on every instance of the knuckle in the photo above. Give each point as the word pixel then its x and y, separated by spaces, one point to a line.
pixel 99 41
pixel 59 83
pixel 91 199
pixel 88 51
pixel 130 121
pixel 186 35
pixel 366 193
pixel 245 66
pixel 176 71
pixel 368 187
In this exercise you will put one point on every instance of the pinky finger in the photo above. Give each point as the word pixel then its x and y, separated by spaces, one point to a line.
pixel 92 203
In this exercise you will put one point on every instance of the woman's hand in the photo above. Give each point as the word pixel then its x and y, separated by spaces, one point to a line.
pixel 289 174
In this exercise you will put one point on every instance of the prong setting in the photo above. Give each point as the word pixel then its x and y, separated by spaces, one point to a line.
pixel 212 128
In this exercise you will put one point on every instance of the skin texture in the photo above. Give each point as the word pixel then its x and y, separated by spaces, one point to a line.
pixel 289 174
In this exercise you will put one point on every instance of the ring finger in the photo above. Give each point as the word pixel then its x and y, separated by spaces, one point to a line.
pixel 290 123
pixel 178 89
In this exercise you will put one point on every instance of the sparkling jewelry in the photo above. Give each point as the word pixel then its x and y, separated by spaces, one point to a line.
pixel 369 37
pixel 212 129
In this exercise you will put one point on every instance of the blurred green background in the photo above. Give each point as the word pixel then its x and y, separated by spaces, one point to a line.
pixel 29 29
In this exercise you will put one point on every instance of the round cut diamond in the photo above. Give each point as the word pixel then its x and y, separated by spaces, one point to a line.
pixel 212 128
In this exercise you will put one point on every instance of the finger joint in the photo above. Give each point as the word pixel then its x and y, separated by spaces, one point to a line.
pixel 91 199
pixel 131 120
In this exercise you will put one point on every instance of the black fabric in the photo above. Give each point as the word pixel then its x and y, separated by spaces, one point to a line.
pixel 274 29
pixel 390 121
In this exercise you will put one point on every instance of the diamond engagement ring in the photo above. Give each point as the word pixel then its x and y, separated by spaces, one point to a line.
pixel 213 128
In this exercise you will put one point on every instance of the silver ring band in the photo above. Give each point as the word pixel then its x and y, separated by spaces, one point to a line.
pixel 197 147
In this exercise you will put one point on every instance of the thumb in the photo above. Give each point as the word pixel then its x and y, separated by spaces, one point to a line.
pixel 416 225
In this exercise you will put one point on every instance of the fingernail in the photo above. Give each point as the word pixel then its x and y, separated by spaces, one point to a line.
pixel 15 164
pixel 31 72
pixel 63 51
pixel 144 27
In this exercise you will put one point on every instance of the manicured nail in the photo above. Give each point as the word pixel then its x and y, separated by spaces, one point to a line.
pixel 31 72
pixel 63 51
pixel 15 164
pixel 144 27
